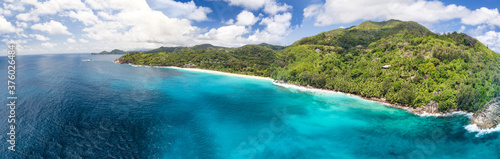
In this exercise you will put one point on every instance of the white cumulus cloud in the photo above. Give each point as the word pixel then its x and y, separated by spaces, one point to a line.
pixel 39 37
pixel 188 10
pixel 27 17
pixel 48 45
pixel 462 29
pixel 482 16
pixel 21 24
pixel 246 18
pixel 229 22
pixel 252 4
pixel 48 8
pixel 491 39
pixel 117 4
pixel 87 17
pixel 71 40
pixel 141 26
pixel 6 26
pixel 132 24
pixel 270 6
pixel 16 7
pixel 342 11
pixel 276 27
pixel 226 36
pixel 82 40
pixel 52 27
pixel 5 12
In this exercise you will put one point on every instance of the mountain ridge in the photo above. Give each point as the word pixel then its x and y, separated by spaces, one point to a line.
pixel 179 49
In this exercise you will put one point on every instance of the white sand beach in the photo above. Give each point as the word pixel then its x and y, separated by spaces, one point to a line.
pixel 220 73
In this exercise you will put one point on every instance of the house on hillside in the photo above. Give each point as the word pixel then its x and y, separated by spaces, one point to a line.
pixel 386 66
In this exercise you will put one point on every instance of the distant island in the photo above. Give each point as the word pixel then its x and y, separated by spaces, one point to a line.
pixel 113 52
pixel 394 61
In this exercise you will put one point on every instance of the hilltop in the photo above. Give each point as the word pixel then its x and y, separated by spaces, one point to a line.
pixel 395 61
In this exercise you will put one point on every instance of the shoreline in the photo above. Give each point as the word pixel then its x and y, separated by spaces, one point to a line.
pixel 216 72
pixel 312 89
pixel 377 100
pixel 202 70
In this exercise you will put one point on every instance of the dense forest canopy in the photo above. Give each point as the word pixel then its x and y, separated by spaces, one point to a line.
pixel 181 49
pixel 402 62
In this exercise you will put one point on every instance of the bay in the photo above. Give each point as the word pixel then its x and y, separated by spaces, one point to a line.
pixel 72 108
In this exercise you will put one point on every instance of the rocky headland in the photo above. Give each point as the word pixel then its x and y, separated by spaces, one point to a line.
pixel 489 117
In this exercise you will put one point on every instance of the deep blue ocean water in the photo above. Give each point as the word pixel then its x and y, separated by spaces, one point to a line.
pixel 69 108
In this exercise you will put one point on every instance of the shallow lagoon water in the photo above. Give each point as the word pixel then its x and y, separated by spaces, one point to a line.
pixel 71 108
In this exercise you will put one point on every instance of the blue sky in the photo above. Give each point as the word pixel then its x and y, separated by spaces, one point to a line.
pixel 83 26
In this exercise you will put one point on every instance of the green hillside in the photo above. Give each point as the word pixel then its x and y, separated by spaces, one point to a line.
pixel 273 47
pixel 187 49
pixel 455 70
pixel 250 59
pixel 180 49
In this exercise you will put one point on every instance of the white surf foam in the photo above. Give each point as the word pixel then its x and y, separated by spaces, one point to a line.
pixel 305 89
pixel 425 114
pixel 480 132
pixel 292 86
pixel 316 90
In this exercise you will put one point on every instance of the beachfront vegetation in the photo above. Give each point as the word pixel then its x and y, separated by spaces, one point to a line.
pixel 453 69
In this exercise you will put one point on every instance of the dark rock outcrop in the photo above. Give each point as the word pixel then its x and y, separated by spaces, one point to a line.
pixel 431 108
pixel 489 117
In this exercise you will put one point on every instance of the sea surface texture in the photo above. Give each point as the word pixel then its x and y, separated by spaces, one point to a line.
pixel 71 108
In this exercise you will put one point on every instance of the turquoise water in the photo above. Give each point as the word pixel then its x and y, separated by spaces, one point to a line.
pixel 71 108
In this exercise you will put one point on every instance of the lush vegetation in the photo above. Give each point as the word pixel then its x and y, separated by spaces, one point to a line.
pixel 251 59
pixel 454 69
pixel 181 49
pixel 115 51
